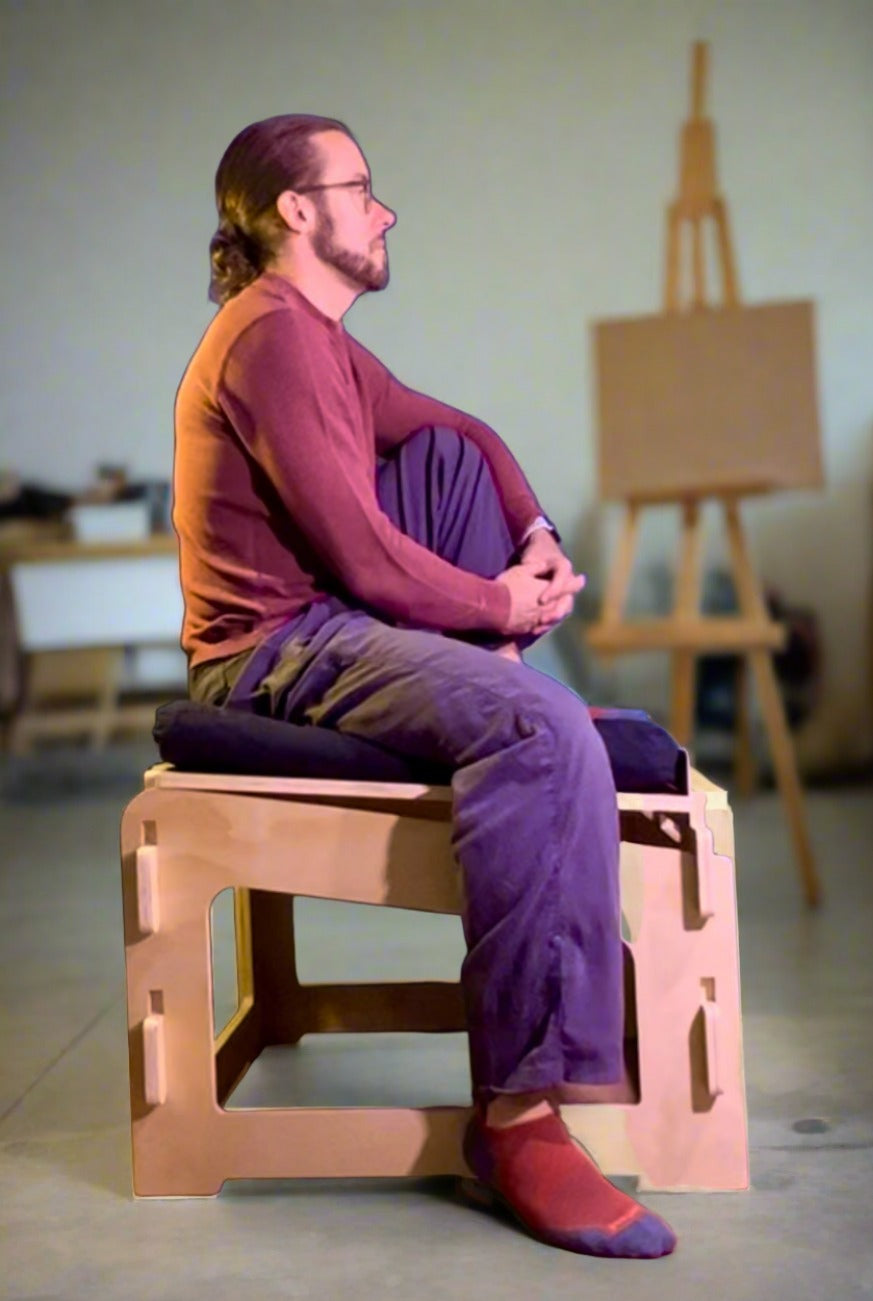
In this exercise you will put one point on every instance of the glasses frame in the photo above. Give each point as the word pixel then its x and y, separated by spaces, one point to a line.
pixel 365 187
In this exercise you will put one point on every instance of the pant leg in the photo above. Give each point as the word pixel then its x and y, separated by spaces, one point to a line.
pixel 535 832
pixel 438 490
pixel 535 823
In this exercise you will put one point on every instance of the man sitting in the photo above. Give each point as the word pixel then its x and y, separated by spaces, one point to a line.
pixel 357 556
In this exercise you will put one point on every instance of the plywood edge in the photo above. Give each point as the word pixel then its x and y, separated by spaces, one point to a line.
pixel 165 777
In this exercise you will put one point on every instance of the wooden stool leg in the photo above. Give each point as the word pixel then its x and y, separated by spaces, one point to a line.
pixel 274 967
pixel 785 766
pixel 241 1041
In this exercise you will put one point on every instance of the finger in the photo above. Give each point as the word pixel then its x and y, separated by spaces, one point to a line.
pixel 559 583
pixel 539 569
pixel 562 608
pixel 557 615
pixel 557 588
pixel 566 584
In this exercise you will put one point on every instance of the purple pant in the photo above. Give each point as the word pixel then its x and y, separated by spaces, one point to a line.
pixel 535 823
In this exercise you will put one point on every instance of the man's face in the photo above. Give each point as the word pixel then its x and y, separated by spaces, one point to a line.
pixel 350 234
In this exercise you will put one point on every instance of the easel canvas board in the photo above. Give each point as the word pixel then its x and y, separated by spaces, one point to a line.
pixel 716 398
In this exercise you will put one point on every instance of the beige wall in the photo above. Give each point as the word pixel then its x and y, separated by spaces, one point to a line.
pixel 528 151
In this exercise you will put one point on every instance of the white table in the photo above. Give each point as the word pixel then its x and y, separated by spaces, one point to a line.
pixel 94 620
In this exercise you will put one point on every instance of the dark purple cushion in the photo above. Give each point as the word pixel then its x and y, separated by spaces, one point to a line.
pixel 204 738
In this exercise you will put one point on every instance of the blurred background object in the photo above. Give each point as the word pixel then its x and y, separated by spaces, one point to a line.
pixel 91 609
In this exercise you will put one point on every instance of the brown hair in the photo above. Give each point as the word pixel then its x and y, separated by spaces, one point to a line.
pixel 267 157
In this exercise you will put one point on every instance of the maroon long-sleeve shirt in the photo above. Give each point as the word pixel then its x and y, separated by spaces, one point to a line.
pixel 279 419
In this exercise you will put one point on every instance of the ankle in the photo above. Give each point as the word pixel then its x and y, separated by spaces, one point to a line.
pixel 509 1109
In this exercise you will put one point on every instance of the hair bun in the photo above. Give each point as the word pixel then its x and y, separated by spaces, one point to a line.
pixel 235 261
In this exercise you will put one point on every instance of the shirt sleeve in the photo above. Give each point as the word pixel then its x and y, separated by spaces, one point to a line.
pixel 399 411
pixel 285 391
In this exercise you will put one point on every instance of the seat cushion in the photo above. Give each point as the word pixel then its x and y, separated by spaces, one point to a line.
pixel 205 738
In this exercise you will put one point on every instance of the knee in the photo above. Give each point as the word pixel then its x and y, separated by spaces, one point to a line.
pixel 564 721
pixel 447 444
pixel 443 438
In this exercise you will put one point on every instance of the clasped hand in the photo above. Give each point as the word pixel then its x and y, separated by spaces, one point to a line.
pixel 542 586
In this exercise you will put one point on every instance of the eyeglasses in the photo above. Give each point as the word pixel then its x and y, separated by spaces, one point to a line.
pixel 363 186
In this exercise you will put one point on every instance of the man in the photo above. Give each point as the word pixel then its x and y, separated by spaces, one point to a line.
pixel 357 556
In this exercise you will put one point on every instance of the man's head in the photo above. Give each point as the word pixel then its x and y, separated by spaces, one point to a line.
pixel 294 191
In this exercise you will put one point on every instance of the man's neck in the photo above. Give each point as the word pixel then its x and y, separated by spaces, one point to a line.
pixel 325 289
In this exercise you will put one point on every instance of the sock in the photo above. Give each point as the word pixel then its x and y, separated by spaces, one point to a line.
pixel 558 1193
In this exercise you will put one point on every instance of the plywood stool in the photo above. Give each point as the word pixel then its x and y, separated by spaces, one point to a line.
pixel 187 837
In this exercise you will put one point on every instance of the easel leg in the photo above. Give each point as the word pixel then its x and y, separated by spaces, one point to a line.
pixel 620 574
pixel 745 768
pixel 683 674
pixel 785 766
pixel 781 745
pixel 685 606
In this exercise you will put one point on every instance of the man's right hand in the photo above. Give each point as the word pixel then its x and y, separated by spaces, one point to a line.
pixel 527 613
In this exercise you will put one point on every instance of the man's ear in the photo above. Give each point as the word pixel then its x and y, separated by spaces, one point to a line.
pixel 293 211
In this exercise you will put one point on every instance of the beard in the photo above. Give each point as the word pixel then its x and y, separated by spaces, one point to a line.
pixel 360 270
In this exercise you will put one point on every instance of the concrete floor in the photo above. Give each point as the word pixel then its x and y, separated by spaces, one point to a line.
pixel 70 1228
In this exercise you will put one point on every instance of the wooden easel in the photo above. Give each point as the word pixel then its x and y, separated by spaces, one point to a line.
pixel 686 632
